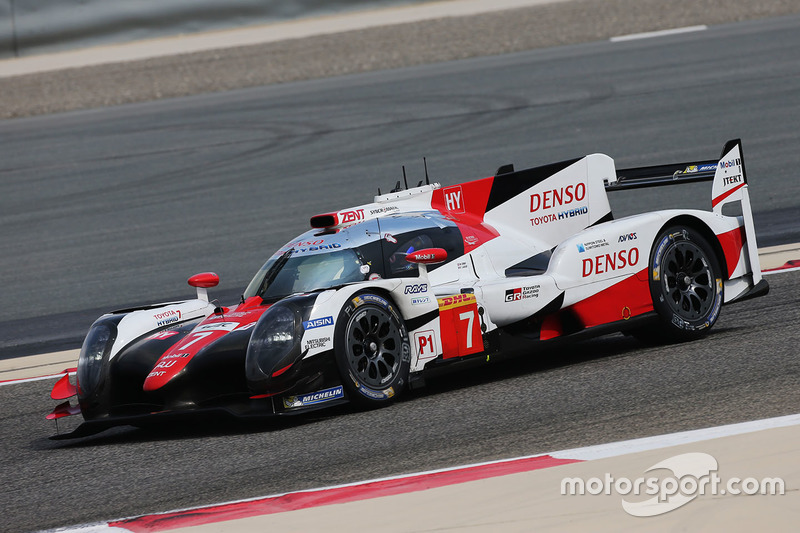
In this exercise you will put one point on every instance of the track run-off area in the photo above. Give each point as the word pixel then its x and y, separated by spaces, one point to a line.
pixel 105 208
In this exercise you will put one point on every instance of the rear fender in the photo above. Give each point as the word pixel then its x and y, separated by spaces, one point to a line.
pixel 602 255
pixel 729 237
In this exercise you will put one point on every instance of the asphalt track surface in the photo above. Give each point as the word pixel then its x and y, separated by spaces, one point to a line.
pixel 105 208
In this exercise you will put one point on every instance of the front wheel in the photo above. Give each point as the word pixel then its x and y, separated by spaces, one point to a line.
pixel 372 349
pixel 685 284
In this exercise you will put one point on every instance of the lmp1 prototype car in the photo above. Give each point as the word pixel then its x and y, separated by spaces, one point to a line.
pixel 374 297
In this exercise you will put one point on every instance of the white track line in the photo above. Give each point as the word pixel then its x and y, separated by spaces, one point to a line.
pixel 661 33
pixel 674 439
pixel 27 380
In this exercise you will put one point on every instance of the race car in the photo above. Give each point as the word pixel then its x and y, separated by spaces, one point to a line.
pixel 373 298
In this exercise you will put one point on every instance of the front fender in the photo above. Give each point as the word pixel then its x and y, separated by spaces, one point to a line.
pixel 138 322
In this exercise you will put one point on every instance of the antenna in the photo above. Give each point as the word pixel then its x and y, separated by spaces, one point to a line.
pixel 404 177
pixel 379 191
pixel 425 162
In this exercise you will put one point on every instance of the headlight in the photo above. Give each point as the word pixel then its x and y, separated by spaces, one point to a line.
pixel 272 341
pixel 93 352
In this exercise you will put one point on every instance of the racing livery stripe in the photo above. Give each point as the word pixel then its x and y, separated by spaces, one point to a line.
pixel 732 242
pixel 418 322
pixel 608 217
pixel 621 301
pixel 724 195
pixel 507 186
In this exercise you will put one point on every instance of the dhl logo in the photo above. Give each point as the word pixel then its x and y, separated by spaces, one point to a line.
pixel 449 302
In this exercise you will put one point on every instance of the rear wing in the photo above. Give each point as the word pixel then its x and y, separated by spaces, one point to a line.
pixel 674 173
pixel 727 173
pixel 659 175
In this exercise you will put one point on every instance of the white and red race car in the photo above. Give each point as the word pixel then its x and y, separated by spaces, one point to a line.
pixel 375 296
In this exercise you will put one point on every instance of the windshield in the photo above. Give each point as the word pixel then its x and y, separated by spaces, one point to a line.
pixel 292 273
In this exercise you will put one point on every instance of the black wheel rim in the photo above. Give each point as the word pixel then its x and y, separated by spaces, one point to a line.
pixel 373 347
pixel 688 281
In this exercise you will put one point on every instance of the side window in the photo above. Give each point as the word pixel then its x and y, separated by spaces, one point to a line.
pixel 370 255
pixel 396 264
pixel 406 234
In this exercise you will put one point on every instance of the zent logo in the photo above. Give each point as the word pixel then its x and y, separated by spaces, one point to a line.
pixel 318 322
pixel 416 289
pixel 352 216
pixel 454 199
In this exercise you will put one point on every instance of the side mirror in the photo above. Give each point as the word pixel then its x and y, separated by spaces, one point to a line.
pixel 202 282
pixel 427 256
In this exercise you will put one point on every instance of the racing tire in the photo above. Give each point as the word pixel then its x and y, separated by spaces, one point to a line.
pixel 685 284
pixel 372 350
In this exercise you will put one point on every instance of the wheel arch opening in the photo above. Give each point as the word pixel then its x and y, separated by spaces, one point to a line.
pixel 706 232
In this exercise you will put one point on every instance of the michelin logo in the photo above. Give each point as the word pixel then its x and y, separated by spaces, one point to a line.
pixel 304 400
pixel 318 322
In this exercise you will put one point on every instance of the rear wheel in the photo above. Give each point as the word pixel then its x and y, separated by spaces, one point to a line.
pixel 372 349
pixel 685 284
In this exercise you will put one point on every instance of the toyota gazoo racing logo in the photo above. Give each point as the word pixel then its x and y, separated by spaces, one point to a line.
pixel 416 289
pixel 513 295
pixel 522 293
pixel 318 322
